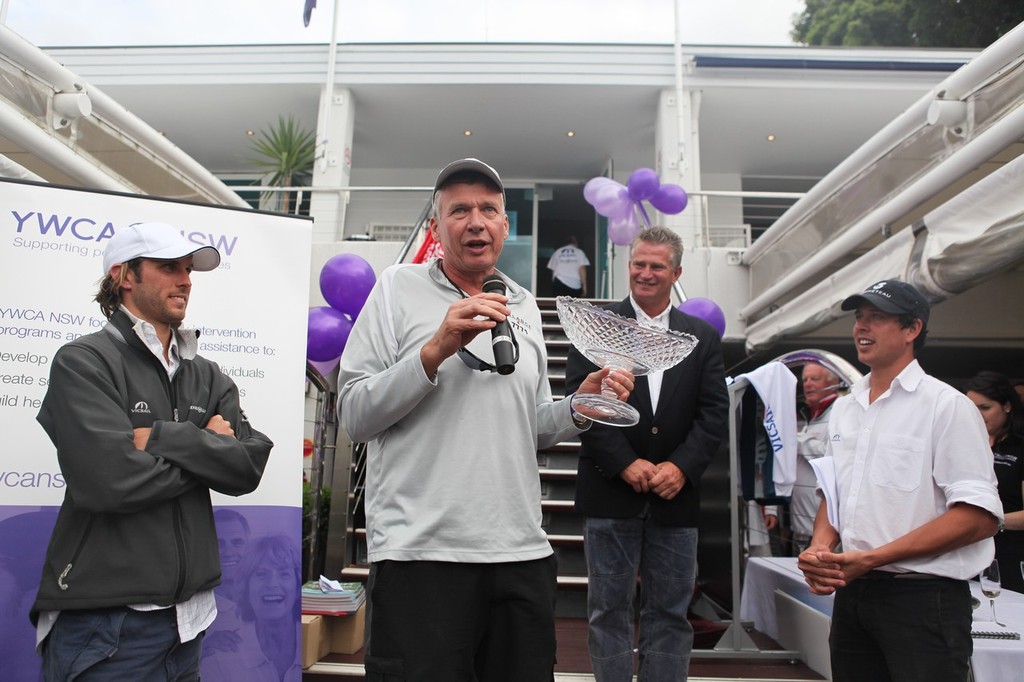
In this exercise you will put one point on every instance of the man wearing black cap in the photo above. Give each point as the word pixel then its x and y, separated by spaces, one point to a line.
pixel 462 577
pixel 917 506
pixel 144 429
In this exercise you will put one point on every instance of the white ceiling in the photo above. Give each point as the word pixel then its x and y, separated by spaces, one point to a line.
pixel 521 129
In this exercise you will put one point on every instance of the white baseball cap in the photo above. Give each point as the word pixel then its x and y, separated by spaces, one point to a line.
pixel 158 241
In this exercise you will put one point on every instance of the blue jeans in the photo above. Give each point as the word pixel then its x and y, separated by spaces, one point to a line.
pixel 118 644
pixel 887 629
pixel 665 558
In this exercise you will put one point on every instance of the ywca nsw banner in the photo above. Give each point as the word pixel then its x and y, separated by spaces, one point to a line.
pixel 251 312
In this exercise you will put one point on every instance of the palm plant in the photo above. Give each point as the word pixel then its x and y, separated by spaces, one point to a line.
pixel 286 152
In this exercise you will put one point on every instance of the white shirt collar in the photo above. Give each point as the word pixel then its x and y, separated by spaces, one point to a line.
pixel 908 379
pixel 183 346
pixel 660 320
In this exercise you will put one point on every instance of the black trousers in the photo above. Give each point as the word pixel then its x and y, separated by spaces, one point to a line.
pixel 888 629
pixel 429 621
pixel 560 288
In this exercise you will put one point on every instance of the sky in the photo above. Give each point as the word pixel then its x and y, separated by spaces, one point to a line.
pixel 51 23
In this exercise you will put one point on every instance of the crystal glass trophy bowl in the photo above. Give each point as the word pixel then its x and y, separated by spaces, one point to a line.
pixel 610 340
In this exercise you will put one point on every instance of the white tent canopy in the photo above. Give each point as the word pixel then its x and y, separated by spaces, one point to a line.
pixel 973 237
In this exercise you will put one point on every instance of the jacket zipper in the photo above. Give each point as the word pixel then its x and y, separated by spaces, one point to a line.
pixel 180 541
pixel 179 538
pixel 171 389
pixel 74 557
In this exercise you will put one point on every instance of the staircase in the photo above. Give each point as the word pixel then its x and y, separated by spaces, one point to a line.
pixel 557 467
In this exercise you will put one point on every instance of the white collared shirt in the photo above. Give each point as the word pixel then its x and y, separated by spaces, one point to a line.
pixel 659 321
pixel 904 460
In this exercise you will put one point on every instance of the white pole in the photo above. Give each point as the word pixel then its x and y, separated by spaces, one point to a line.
pixel 680 109
pixel 3 11
pixel 328 104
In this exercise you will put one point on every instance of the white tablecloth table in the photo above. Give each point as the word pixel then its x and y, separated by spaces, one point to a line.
pixel 994 660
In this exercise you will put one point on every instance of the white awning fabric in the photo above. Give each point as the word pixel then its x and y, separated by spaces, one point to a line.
pixel 967 240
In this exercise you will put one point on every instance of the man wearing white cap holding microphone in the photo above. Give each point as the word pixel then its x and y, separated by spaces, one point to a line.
pixel 144 429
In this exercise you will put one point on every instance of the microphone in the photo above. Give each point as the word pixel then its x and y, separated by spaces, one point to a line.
pixel 832 388
pixel 501 336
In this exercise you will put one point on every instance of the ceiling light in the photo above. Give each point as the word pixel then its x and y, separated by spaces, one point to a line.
pixel 771 137
pixel 467 133
pixel 249 132
pixel 571 133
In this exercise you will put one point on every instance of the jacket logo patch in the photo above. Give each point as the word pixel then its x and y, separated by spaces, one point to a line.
pixel 141 407
pixel 196 408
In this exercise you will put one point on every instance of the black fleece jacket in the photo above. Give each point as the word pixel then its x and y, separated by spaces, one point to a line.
pixel 136 526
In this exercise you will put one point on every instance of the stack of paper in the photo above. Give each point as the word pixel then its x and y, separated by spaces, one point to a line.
pixel 330 597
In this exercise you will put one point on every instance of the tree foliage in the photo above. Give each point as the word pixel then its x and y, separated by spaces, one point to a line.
pixel 906 23
pixel 286 152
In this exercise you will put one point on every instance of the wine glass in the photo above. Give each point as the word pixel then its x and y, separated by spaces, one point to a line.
pixel 990 587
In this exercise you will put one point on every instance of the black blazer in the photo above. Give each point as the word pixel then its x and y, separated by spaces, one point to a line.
pixel 687 430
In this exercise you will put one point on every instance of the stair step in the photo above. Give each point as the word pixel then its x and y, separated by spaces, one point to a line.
pixel 565 540
pixel 564 446
pixel 360 574
pixel 557 474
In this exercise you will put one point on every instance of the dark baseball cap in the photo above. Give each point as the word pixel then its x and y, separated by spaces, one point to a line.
pixel 892 296
pixel 468 166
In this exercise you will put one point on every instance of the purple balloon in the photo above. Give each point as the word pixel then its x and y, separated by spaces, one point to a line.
pixel 594 184
pixel 612 200
pixel 327 368
pixel 345 282
pixel 670 199
pixel 326 334
pixel 643 183
pixel 622 230
pixel 707 310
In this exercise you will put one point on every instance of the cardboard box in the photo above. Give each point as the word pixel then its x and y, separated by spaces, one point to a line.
pixel 315 639
pixel 346 633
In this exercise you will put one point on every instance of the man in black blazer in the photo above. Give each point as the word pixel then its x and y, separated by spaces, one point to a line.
pixel 639 487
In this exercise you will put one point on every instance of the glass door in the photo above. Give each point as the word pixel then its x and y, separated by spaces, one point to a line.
pixel 517 256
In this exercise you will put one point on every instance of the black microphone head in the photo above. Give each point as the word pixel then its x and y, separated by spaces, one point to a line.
pixel 494 284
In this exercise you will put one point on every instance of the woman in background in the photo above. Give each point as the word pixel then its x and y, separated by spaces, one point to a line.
pixel 1000 407
pixel 272 601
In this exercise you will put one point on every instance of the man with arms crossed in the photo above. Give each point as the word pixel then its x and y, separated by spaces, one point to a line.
pixel 462 577
pixel 917 506
pixel 639 487
pixel 144 429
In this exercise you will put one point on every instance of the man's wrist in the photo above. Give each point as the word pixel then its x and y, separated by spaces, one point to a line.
pixel 578 419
